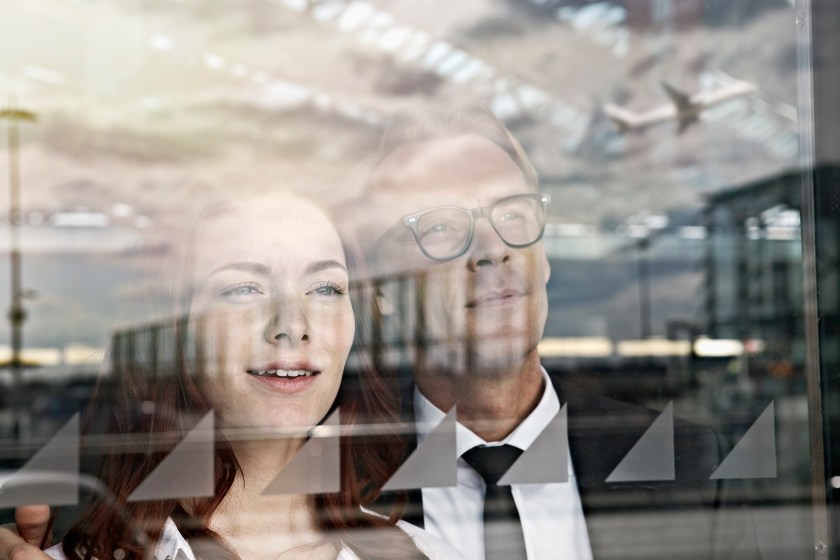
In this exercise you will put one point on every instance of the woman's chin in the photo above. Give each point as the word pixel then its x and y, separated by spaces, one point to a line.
pixel 270 426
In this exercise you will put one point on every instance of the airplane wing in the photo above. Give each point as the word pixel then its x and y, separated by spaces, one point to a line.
pixel 623 119
pixel 725 93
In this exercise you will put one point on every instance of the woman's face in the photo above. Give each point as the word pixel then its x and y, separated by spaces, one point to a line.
pixel 272 313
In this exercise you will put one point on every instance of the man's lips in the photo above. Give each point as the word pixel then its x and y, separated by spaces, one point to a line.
pixel 495 298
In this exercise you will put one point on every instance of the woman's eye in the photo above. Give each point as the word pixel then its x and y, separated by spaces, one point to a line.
pixel 329 289
pixel 241 290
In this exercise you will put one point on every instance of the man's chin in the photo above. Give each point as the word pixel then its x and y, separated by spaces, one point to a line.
pixel 492 362
pixel 485 358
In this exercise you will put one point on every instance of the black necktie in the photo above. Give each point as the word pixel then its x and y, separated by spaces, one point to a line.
pixel 503 538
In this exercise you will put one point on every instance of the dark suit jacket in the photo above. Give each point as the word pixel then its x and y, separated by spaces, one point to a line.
pixel 690 517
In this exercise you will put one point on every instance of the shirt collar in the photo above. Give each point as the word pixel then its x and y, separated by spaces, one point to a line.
pixel 172 544
pixel 427 416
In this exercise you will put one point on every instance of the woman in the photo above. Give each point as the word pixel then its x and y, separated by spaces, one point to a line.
pixel 264 285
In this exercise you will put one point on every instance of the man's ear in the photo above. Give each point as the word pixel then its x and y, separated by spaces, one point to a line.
pixel 546 268
pixel 386 308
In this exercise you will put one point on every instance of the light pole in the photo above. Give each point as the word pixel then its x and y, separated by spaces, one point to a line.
pixel 642 246
pixel 17 314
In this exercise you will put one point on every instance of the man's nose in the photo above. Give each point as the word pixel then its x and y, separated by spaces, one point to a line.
pixel 288 321
pixel 487 248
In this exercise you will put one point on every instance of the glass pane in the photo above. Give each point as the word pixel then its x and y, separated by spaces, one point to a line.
pixel 219 328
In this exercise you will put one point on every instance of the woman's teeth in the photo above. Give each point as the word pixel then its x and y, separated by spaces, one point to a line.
pixel 280 372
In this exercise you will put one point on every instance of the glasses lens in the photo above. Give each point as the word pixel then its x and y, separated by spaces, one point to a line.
pixel 443 232
pixel 519 220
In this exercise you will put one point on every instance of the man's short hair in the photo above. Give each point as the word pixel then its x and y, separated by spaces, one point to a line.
pixel 474 120
pixel 427 126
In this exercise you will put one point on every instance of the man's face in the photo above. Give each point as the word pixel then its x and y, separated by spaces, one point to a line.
pixel 483 311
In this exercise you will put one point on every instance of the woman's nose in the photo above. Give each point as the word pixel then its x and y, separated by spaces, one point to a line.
pixel 288 322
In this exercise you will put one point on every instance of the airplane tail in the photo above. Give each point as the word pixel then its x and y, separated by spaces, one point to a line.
pixel 687 110
pixel 684 121
pixel 680 99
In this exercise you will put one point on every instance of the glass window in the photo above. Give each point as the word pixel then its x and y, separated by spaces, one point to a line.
pixel 538 278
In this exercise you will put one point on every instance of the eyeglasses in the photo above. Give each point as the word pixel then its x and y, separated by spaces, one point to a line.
pixel 445 232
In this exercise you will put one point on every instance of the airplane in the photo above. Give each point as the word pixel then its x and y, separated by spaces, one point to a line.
pixel 684 108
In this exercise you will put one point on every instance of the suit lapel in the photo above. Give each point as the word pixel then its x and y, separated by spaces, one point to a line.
pixel 601 432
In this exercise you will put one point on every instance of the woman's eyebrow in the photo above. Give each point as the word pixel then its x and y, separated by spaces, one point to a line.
pixel 242 266
pixel 318 266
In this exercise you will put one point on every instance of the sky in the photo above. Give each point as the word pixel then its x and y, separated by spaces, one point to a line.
pixel 137 99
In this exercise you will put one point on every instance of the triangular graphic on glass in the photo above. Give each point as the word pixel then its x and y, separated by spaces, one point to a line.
pixel 50 477
pixel 754 456
pixel 652 457
pixel 316 467
pixel 433 464
pixel 546 460
pixel 187 472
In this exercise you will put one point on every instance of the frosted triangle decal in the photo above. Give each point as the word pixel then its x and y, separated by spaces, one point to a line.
pixel 754 456
pixel 433 464
pixel 316 467
pixel 652 457
pixel 546 460
pixel 51 476
pixel 187 472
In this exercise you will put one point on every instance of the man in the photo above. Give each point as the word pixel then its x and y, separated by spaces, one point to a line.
pixel 453 221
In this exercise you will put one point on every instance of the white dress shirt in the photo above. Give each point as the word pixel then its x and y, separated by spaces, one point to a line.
pixel 551 514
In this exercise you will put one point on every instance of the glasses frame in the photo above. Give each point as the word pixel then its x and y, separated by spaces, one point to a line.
pixel 411 221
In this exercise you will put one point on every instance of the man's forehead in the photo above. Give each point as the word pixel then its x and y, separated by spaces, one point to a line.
pixel 467 171
pixel 441 164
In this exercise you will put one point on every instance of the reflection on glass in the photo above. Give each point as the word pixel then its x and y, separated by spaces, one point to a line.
pixel 668 275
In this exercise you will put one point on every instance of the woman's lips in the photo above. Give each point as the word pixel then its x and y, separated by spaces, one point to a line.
pixel 278 372
pixel 284 368
pixel 285 377
pixel 286 384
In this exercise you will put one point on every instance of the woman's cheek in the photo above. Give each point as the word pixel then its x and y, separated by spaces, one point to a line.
pixel 333 324
pixel 347 328
pixel 223 338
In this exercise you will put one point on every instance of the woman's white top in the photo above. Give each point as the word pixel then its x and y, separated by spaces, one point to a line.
pixel 173 546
